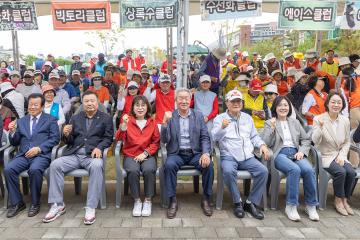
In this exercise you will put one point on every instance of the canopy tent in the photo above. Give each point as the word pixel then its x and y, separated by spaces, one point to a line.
pixel 195 49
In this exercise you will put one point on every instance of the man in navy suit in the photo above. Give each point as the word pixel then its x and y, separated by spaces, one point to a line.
pixel 36 134
pixel 188 143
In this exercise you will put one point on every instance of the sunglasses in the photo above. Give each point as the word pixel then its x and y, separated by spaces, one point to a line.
pixel 132 88
pixel 269 93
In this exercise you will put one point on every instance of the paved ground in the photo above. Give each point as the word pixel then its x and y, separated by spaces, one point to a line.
pixel 190 223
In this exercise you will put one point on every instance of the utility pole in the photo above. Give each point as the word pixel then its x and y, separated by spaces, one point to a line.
pixel 15 49
pixel 182 44
pixel 169 49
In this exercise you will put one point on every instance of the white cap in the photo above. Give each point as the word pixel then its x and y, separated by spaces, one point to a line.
pixel 271 88
pixel 311 53
pixel 28 73
pixel 75 72
pixel 75 55
pixel 236 51
pixel 287 54
pixel 48 63
pixel 245 53
pixel 249 68
pixel 291 71
pixel 228 54
pixel 14 72
pixel 242 77
pixel 233 94
pixel 269 56
pixel 223 62
pixel 299 75
pixel 343 61
pixel 54 74
pixel 205 78
pixel 276 71
pixel 165 78
pixel 133 84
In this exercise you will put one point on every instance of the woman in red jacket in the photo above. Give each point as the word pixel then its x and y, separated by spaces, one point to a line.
pixel 141 140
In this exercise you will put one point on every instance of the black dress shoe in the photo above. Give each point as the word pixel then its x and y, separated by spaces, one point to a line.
pixel 15 209
pixel 206 207
pixel 239 211
pixel 171 212
pixel 33 210
pixel 251 208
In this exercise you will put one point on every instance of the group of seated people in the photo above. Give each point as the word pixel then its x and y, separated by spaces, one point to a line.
pixel 189 140
pixel 259 117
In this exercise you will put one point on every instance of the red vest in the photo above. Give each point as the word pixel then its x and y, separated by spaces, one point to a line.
pixel 125 63
pixel 164 103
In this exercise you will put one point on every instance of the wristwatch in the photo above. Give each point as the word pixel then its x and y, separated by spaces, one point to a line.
pixel 146 153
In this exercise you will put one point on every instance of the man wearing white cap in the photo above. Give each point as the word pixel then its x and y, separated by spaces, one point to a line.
pixel 13 100
pixel 206 101
pixel 211 66
pixel 77 63
pixel 290 61
pixel 344 62
pixel 299 90
pixel 15 78
pixel 164 97
pixel 237 137
pixel 47 68
pixel 62 97
pixel 271 63
pixel 28 86
pixel 271 92
pixel 312 60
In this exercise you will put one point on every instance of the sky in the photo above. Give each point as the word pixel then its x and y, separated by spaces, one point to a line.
pixel 64 43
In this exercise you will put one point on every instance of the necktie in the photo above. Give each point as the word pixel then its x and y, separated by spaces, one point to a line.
pixel 33 125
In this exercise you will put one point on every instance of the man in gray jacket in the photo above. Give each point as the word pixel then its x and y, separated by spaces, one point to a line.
pixel 188 143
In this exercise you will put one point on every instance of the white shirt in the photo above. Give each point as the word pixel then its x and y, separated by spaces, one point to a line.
pixel 31 121
pixel 288 142
pixel 141 123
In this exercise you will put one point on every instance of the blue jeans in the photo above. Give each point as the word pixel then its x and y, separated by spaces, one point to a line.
pixel 294 170
pixel 258 172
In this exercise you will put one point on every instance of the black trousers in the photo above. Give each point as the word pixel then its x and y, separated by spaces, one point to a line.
pixel 343 179
pixel 148 169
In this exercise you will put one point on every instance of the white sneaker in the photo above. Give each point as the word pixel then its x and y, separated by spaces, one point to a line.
pixel 89 216
pixel 137 209
pixel 292 213
pixel 54 212
pixel 311 211
pixel 146 211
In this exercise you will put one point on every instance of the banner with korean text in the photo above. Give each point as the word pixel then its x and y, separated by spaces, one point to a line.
pixel 81 15
pixel 20 15
pixel 148 14
pixel 307 14
pixel 351 17
pixel 229 9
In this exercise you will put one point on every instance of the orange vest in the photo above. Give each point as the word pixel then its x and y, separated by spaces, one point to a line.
pixel 354 99
pixel 295 64
pixel 319 108
pixel 332 79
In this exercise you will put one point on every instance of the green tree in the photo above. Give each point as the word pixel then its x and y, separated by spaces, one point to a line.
pixel 29 59
pixel 108 38
pixel 266 46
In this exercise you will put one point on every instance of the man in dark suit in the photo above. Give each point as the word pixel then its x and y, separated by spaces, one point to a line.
pixel 35 134
pixel 188 143
pixel 87 135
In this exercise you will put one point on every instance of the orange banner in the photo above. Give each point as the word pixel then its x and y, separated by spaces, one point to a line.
pixel 84 15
